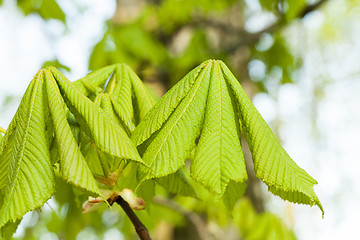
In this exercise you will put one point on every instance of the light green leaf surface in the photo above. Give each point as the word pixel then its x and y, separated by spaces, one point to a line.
pixel 234 191
pixel 176 138
pixel 30 178
pixel 209 102
pixel 142 100
pixel 73 166
pixel 156 117
pixel 8 230
pixel 177 183
pixel 111 107
pixel 130 98
pixel 105 133
pixel 120 87
pixel 205 105
pixel 271 162
pixel 126 122
pixel 94 82
pixel 6 146
pixel 218 157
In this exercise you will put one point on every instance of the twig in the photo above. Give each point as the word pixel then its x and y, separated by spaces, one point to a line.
pixel 311 7
pixel 191 216
pixel 140 228
pixel 245 37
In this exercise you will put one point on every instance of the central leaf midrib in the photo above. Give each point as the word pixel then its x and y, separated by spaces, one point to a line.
pixel 23 144
pixel 182 113
pixel 220 121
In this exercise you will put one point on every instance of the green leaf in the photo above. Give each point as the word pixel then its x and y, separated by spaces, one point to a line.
pixel 271 162
pixel 125 122
pixel 92 158
pixel 94 81
pixel 51 10
pixel 294 8
pixel 57 64
pixel 127 178
pixel 177 183
pixel 8 230
pixel 203 104
pixel 162 110
pixel 173 142
pixel 142 100
pixel 101 128
pixel 259 226
pixel 114 110
pixel 48 9
pixel 269 5
pixel 6 146
pixel 209 102
pixel 131 101
pixel 146 191
pixel 73 166
pixel 233 192
pixel 30 178
pixel 4 161
pixel 218 157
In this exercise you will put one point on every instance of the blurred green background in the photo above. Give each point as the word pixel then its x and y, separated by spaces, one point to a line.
pixel 298 60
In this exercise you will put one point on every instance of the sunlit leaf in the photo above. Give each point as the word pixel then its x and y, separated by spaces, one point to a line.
pixel 271 162
pixel 177 183
pixel 73 166
pixel 178 118
pixel 130 98
pixel 30 177
pixel 101 128
pixel 210 103
pixel 219 152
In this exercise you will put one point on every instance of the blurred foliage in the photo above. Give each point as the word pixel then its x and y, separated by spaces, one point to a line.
pixel 263 226
pixel 162 41
pixel 63 217
pixel 290 8
pixel 168 38
pixel 47 9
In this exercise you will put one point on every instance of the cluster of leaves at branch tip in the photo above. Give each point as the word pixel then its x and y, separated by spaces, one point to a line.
pixel 106 129
pixel 209 103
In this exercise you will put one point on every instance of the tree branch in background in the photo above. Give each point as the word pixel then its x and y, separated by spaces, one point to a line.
pixel 191 216
pixel 246 38
pixel 311 7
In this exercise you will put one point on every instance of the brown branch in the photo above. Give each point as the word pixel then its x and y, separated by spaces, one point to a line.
pixel 252 38
pixel 191 216
pixel 247 38
pixel 311 7
pixel 140 228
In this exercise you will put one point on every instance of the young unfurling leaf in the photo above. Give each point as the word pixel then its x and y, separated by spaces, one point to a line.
pixel 210 104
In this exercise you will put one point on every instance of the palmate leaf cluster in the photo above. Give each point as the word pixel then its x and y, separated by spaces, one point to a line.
pixel 105 130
